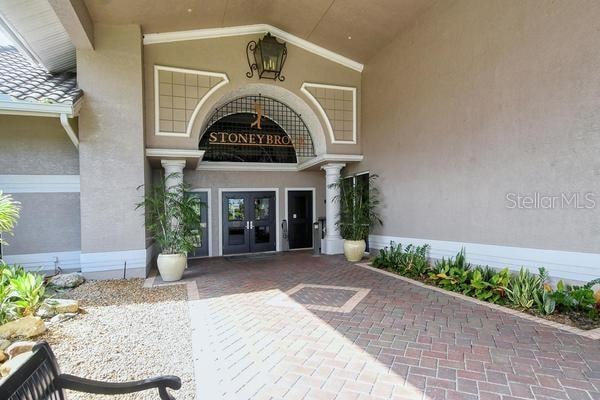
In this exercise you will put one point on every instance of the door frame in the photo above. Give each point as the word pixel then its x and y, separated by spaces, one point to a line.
pixel 277 221
pixel 209 222
pixel 314 207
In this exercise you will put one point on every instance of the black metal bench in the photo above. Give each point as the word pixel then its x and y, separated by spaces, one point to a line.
pixel 40 378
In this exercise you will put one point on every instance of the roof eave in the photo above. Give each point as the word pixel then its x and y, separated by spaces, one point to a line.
pixel 16 107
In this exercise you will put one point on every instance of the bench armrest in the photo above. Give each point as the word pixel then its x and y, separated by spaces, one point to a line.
pixel 71 382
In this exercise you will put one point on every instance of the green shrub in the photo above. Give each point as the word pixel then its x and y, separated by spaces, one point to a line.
pixel 410 261
pixel 487 284
pixel 453 273
pixel 573 298
pixel 522 288
pixel 546 305
pixel 21 292
pixel 9 213
pixel 28 291
pixel 388 256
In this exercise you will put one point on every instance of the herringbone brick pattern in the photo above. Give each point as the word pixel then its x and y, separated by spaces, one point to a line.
pixel 400 342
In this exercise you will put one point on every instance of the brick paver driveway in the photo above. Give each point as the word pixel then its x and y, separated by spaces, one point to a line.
pixel 293 326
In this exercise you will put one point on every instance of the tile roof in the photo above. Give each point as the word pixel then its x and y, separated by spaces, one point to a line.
pixel 21 80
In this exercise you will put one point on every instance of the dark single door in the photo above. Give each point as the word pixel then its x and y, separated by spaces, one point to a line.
pixel 248 222
pixel 300 217
pixel 202 250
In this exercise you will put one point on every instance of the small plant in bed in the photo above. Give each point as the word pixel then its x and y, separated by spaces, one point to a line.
pixel 21 292
pixel 410 261
pixel 525 291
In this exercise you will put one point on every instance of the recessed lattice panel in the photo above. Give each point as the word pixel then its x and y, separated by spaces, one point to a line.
pixel 282 138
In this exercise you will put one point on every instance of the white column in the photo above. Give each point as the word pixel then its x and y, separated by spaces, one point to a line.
pixel 173 172
pixel 333 243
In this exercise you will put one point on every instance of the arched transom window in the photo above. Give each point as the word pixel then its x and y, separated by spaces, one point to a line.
pixel 256 129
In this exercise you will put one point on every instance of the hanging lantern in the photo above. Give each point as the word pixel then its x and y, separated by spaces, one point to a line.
pixel 269 56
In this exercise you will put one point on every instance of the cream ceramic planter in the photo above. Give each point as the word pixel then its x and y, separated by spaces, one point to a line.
pixel 354 250
pixel 171 266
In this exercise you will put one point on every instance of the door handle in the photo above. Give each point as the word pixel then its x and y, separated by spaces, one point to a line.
pixel 247 224
pixel 251 224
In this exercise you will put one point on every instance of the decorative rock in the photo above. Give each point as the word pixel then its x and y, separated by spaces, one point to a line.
pixel 57 319
pixel 19 348
pixel 52 307
pixel 3 356
pixel 14 363
pixel 4 344
pixel 26 327
pixel 65 281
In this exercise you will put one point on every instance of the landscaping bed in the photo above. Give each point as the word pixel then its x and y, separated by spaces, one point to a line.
pixel 105 330
pixel 126 332
pixel 576 306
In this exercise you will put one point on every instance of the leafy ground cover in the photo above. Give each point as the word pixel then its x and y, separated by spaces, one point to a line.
pixel 529 292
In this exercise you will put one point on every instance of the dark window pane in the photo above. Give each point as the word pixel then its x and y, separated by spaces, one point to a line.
pixel 236 236
pixel 262 234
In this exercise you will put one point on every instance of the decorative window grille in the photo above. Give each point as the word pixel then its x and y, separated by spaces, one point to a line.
pixel 277 119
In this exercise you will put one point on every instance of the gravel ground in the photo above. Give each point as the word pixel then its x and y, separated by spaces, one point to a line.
pixel 126 332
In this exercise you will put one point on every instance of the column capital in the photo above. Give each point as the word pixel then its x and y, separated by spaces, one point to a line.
pixel 180 164
pixel 333 168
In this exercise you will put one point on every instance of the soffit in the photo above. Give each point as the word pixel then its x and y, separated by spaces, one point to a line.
pixel 370 24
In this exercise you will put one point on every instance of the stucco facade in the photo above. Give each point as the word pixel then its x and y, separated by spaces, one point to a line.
pixel 471 105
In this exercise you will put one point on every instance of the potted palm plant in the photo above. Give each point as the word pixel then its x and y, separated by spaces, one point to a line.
pixel 173 220
pixel 359 213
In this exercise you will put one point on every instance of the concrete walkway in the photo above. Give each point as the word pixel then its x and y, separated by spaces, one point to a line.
pixel 293 326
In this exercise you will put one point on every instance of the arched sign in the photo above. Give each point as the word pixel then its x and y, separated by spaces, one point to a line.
pixel 256 129
pixel 233 139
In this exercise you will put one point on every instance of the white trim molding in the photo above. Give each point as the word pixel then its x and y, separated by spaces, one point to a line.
pixel 319 107
pixel 35 109
pixel 112 261
pixel 192 157
pixel 277 221
pixel 245 166
pixel 188 130
pixel 328 158
pixel 278 167
pixel 176 153
pixel 66 260
pixel 212 33
pixel 574 266
pixel 39 183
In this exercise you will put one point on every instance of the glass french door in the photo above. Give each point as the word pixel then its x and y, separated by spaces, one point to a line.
pixel 249 223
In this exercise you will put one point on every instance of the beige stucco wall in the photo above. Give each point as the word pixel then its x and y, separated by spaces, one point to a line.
pixel 112 159
pixel 227 55
pixel 218 179
pixel 36 146
pixel 49 222
pixel 481 98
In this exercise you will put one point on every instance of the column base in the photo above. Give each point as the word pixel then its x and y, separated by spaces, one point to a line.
pixel 332 246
